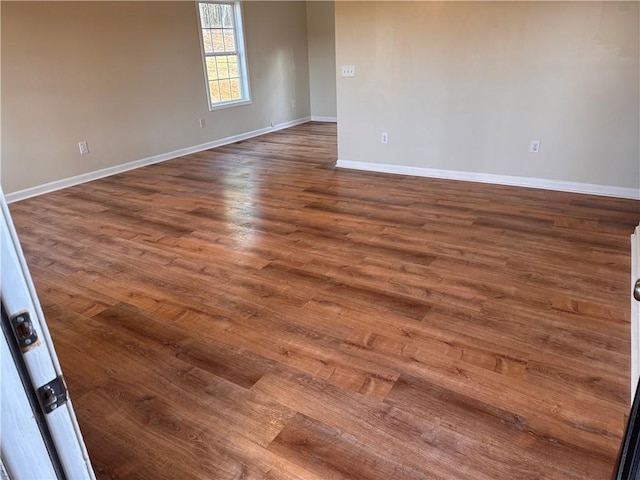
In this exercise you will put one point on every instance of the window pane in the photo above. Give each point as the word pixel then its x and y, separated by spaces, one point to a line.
pixel 223 69
pixel 207 41
pixel 214 91
pixel 218 40
pixel 217 16
pixel 203 14
pixel 235 88
pixel 229 40
pixel 212 71
pixel 206 15
pixel 225 91
pixel 227 16
pixel 233 66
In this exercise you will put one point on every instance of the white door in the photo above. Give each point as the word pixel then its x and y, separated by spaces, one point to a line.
pixel 635 310
pixel 39 436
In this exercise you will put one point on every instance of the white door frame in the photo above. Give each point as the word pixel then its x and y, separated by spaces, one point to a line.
pixel 19 428
pixel 18 294
pixel 635 312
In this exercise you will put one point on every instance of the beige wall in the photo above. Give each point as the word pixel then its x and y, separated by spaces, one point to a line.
pixel 127 77
pixel 466 86
pixel 322 57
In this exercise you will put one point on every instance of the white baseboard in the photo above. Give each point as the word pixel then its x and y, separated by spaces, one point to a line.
pixel 572 187
pixel 105 172
pixel 315 118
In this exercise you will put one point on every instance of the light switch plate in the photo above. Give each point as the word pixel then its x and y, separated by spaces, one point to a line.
pixel 348 70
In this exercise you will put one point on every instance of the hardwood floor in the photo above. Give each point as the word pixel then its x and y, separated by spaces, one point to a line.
pixel 253 312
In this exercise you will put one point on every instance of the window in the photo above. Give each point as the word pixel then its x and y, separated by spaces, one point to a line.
pixel 225 63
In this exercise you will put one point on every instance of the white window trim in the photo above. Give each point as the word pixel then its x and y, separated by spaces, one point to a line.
pixel 242 53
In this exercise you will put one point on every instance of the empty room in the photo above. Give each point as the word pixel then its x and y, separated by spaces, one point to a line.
pixel 320 240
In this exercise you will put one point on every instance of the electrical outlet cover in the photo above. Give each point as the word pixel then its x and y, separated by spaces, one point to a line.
pixel 535 146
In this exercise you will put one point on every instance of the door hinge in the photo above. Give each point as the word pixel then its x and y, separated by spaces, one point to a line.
pixel 53 394
pixel 23 330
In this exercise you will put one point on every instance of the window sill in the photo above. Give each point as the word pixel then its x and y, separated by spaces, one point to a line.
pixel 222 106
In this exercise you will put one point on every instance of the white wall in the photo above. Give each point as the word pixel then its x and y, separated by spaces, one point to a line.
pixel 465 86
pixel 128 78
pixel 459 86
pixel 322 58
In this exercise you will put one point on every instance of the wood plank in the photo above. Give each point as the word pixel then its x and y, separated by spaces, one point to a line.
pixel 491 424
pixel 332 453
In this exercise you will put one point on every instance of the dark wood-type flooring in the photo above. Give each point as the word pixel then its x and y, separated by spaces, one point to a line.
pixel 253 312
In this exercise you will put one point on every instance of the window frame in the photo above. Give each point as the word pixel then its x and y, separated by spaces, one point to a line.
pixel 240 51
